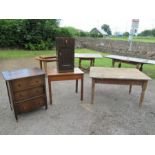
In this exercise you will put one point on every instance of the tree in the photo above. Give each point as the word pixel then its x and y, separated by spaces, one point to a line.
pixel 146 33
pixel 106 28
pixel 126 34
pixel 34 34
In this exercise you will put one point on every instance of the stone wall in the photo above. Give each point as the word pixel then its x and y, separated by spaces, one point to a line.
pixel 139 49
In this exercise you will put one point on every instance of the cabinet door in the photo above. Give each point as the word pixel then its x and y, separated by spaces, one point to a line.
pixel 65 54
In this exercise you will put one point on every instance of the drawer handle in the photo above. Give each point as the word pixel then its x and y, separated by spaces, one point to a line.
pixel 37 81
pixel 19 85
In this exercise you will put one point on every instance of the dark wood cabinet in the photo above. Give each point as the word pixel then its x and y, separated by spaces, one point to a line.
pixel 65 54
pixel 26 89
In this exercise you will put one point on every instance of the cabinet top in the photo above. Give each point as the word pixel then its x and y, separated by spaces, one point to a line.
pixel 21 73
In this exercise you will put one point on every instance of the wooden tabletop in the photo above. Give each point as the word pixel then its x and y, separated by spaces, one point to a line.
pixel 21 73
pixel 46 58
pixel 54 72
pixel 87 55
pixel 117 73
pixel 131 59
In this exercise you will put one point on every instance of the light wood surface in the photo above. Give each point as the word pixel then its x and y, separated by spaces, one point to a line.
pixel 131 59
pixel 87 55
pixel 117 73
pixel 121 76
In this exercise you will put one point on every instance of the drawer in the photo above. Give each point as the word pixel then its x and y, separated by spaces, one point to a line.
pixel 30 105
pixel 25 83
pixel 26 94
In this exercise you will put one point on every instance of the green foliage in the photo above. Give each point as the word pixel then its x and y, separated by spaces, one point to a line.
pixel 126 34
pixel 84 34
pixel 146 33
pixel 33 34
pixel 95 33
pixel 106 28
pixel 75 32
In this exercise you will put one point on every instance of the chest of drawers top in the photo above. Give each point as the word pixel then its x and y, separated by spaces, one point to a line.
pixel 22 73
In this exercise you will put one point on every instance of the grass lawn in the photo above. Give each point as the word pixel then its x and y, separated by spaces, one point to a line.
pixel 104 62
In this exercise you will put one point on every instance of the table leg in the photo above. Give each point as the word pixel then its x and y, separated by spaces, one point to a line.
pixel 141 67
pixel 50 92
pixel 93 61
pixel 144 86
pixel 92 91
pixel 76 89
pixel 79 62
pixel 82 88
pixel 130 88
pixel 40 62
pixel 45 66
pixel 137 66
pixel 113 63
pixel 119 65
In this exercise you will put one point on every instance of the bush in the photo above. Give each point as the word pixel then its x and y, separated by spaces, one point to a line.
pixel 33 34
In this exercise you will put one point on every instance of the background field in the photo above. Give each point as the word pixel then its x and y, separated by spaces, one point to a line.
pixel 104 62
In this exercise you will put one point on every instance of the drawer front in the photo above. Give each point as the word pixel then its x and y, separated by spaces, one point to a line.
pixel 22 84
pixel 30 105
pixel 23 95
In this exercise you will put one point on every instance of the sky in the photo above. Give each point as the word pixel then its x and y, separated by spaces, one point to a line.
pixel 116 25
pixel 84 14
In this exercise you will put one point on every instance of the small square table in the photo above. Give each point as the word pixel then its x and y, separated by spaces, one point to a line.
pixel 87 56
pixel 121 76
pixel 54 75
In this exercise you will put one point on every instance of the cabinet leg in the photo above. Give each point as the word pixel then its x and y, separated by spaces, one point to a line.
pixel 9 94
pixel 82 88
pixel 50 92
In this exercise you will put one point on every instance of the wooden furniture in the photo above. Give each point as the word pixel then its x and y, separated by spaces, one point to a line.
pixel 26 89
pixel 65 54
pixel 54 75
pixel 122 76
pixel 43 60
pixel 130 60
pixel 87 57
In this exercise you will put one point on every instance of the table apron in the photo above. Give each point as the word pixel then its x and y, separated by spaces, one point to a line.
pixel 120 82
pixel 129 62
pixel 66 77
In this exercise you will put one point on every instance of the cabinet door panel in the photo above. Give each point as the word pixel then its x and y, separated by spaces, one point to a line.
pixel 65 53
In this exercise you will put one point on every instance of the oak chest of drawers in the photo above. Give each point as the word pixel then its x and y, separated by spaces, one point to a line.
pixel 26 89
